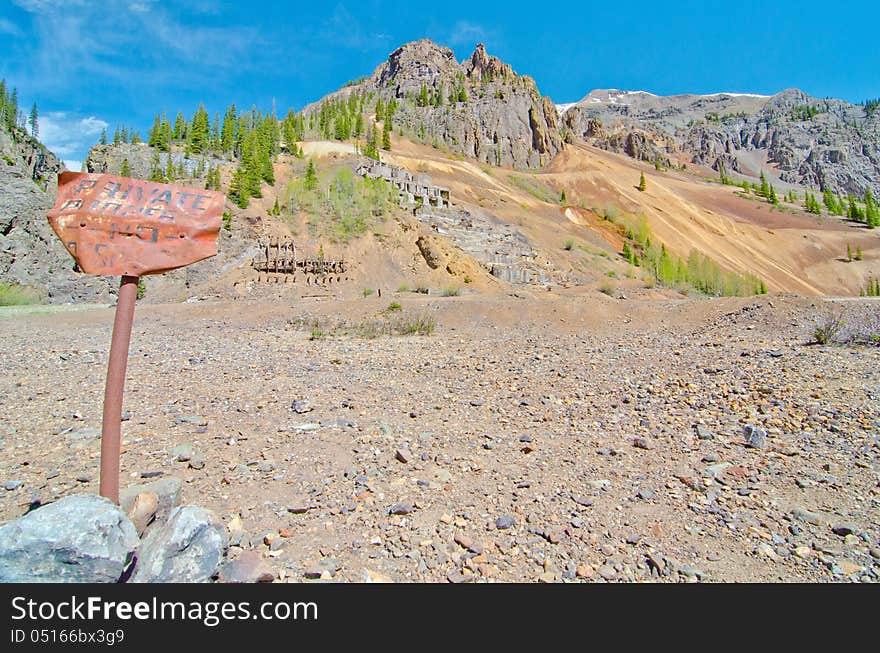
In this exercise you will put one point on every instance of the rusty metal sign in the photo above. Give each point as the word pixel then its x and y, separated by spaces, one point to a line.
pixel 115 225
pixel 130 227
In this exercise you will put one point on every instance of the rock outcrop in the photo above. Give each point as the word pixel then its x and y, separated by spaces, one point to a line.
pixel 486 111
pixel 820 143
pixel 30 253
pixel 78 539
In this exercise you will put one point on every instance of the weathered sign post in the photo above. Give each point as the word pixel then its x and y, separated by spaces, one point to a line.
pixel 129 227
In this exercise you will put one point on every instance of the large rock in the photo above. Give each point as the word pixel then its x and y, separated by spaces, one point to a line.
pixel 188 548
pixel 78 539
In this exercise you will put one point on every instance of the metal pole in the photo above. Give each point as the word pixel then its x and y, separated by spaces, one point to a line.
pixel 111 426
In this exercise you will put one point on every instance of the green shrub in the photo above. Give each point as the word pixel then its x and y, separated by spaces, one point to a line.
pixel 827 328
pixel 12 294
pixel 368 291
pixel 450 291
pixel 393 306
pixel 421 324
pixel 568 245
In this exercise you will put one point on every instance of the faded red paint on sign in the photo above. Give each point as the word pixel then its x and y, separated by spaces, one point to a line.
pixel 119 226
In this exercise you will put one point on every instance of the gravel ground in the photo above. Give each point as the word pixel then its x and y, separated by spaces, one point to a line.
pixel 565 439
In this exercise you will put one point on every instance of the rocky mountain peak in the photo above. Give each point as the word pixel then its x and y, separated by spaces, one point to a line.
pixel 414 64
pixel 481 65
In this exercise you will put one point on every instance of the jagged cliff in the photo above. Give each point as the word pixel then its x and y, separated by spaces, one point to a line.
pixel 820 143
pixel 30 254
pixel 485 111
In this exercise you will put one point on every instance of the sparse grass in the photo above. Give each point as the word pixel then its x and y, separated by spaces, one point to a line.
pixel 568 244
pixel 12 294
pixel 368 291
pixel 404 287
pixel 420 324
pixel 608 288
pixel 391 323
pixel 450 291
pixel 535 188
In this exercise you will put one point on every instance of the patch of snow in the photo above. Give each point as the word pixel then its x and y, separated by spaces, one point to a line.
pixel 562 108
pixel 735 95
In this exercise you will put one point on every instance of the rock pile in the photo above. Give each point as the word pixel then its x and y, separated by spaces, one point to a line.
pixel 85 538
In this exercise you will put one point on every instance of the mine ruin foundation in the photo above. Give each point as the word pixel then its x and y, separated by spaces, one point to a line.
pixel 277 259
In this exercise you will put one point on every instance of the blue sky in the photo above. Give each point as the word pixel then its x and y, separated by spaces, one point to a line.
pixel 90 63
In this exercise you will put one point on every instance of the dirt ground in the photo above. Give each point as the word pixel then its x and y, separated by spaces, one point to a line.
pixel 533 436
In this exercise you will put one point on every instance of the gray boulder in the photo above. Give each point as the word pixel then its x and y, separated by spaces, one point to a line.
pixel 756 437
pixel 79 539
pixel 188 548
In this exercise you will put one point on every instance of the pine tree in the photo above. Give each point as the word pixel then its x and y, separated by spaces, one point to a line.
pixel 157 136
pixel 643 183
pixel 125 169
pixel 33 121
pixel 180 127
pixel 872 212
pixel 165 128
pixel 199 131
pixel 773 199
pixel 156 169
pixel 103 140
pixel 12 111
pixel 371 149
pixel 116 136
pixel 311 178
pixel 854 212
pixel 386 134
pixel 829 201
pixel 858 252
pixel 765 187
pixel 238 187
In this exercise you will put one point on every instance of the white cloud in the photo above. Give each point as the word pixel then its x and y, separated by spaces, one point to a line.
pixel 465 33
pixel 67 135
pixel 8 27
